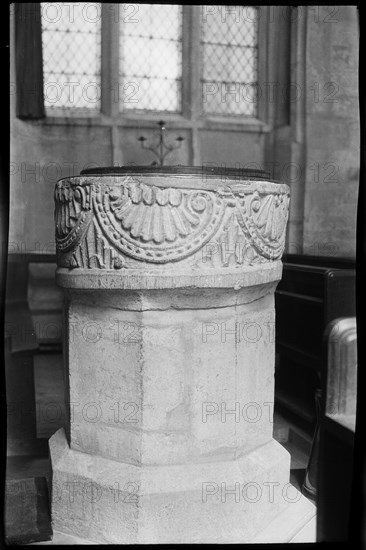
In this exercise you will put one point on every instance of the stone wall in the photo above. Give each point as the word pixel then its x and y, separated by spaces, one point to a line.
pixel 332 131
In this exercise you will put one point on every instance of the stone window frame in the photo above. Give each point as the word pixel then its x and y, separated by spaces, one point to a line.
pixel 192 116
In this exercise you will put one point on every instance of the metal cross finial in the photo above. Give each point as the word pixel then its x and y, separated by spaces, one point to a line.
pixel 161 150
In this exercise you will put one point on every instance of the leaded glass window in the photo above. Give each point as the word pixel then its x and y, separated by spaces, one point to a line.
pixel 150 60
pixel 71 42
pixel 229 43
pixel 145 57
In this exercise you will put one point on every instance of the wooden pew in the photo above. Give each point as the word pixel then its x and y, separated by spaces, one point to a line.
pixel 33 321
pixel 45 303
pixel 20 346
pixel 313 291
pixel 337 428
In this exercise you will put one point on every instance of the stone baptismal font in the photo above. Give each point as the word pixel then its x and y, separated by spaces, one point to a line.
pixel 169 276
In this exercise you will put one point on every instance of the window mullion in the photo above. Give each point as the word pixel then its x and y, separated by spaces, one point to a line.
pixel 186 61
pixel 105 60
pixel 195 63
pixel 263 110
pixel 116 88
pixel 110 62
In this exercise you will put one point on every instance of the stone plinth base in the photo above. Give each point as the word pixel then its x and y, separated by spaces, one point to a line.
pixel 113 502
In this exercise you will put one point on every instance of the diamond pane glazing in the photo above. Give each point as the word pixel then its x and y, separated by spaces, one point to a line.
pixel 229 59
pixel 150 58
pixel 71 42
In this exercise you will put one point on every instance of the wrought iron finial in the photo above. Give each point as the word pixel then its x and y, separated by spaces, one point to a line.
pixel 161 150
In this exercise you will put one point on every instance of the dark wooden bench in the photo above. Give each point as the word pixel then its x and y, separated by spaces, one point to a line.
pixel 313 291
pixel 333 472
pixel 33 321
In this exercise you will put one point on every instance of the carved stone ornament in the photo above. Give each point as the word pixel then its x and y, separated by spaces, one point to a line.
pixel 117 222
